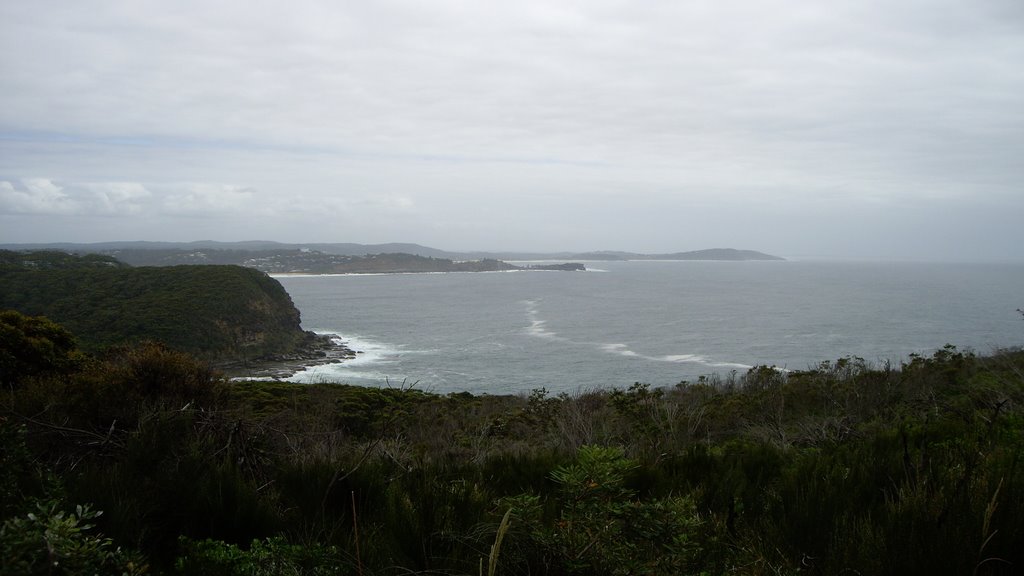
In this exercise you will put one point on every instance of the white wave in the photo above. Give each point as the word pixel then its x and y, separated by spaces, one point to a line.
pixel 624 350
pixel 358 274
pixel 620 349
pixel 301 275
pixel 538 327
pixel 372 356
pixel 728 365
pixel 683 358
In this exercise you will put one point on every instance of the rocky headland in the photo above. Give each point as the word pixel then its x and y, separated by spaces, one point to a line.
pixel 319 350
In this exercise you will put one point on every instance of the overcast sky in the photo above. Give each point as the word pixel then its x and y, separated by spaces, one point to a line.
pixel 880 129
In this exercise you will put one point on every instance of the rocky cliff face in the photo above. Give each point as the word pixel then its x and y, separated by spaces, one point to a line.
pixel 261 321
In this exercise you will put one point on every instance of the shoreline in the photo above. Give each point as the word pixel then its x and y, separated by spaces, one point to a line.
pixel 569 267
pixel 320 350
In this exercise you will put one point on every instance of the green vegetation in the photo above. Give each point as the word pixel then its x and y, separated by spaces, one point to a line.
pixel 55 260
pixel 50 541
pixel 32 346
pixel 845 468
pixel 214 312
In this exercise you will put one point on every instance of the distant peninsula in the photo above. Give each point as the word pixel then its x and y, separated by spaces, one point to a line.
pixel 348 258
pixel 305 261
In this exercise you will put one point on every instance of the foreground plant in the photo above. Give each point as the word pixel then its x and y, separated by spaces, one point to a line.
pixel 52 542
pixel 267 557
pixel 603 526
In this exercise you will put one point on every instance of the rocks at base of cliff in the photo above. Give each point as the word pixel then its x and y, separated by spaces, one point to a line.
pixel 318 350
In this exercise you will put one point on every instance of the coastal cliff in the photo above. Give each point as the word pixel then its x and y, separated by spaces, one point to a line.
pixel 222 314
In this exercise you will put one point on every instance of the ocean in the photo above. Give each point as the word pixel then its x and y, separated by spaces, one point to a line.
pixel 655 322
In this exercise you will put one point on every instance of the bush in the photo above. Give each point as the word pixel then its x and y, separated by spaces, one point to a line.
pixel 267 557
pixel 601 526
pixel 32 346
pixel 51 542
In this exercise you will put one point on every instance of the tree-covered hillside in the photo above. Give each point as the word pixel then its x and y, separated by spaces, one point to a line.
pixel 214 312
pixel 54 260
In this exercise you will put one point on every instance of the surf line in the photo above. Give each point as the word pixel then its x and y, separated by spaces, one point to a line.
pixel 538 326
pixel 538 329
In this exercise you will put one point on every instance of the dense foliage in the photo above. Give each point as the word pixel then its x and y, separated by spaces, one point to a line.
pixel 31 346
pixel 214 312
pixel 55 259
pixel 844 468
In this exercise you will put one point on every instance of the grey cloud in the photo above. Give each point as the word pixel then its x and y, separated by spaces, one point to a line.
pixel 44 196
pixel 125 198
pixel 205 200
pixel 35 196
pixel 423 116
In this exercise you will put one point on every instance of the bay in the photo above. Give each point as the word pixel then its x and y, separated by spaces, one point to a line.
pixel 657 322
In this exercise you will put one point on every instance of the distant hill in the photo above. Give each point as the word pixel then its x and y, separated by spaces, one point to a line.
pixel 144 253
pixel 219 313
pixel 284 259
pixel 342 249
pixel 304 261
pixel 55 260
pixel 725 254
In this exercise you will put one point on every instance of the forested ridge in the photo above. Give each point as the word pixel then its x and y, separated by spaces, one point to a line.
pixel 222 313
pixel 843 468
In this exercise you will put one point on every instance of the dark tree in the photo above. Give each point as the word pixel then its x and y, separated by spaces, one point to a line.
pixel 33 346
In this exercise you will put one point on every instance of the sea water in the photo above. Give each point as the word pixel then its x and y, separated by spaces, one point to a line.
pixel 656 322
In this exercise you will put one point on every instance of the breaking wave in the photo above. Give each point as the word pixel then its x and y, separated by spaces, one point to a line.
pixel 538 327
pixel 370 364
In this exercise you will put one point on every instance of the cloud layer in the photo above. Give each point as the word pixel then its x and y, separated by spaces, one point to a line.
pixel 653 126
pixel 45 197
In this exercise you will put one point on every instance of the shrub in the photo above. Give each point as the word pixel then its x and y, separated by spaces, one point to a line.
pixel 33 346
pixel 601 526
pixel 267 557
pixel 51 542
